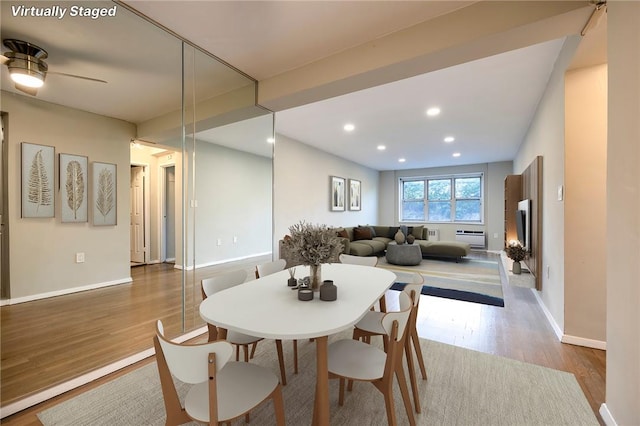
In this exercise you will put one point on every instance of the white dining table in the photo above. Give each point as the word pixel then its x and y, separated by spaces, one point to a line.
pixel 268 308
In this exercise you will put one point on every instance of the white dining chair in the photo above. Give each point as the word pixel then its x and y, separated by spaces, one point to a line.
pixel 263 270
pixel 354 360
pixel 370 326
pixel 220 390
pixel 269 268
pixel 364 261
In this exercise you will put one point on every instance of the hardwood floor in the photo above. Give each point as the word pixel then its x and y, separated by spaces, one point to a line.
pixel 519 331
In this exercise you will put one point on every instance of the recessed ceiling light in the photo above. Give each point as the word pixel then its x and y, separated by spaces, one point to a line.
pixel 349 127
pixel 456 154
pixel 449 139
pixel 271 140
pixel 401 160
pixel 432 112
pixel 381 147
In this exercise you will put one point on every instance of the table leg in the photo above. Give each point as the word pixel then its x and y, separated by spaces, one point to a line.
pixel 321 405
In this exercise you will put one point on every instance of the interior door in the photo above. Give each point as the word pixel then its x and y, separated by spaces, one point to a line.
pixel 137 215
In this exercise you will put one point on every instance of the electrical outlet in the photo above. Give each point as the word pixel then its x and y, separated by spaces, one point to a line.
pixel 495 235
pixel 79 257
pixel 219 241
pixel 235 240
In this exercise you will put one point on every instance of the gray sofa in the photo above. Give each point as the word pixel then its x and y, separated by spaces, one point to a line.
pixel 373 240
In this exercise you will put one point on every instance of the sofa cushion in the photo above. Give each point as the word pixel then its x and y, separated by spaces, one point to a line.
pixel 342 233
pixel 357 248
pixel 373 231
pixel 416 231
pixel 393 230
pixel 383 240
pixel 444 248
pixel 381 231
pixel 362 233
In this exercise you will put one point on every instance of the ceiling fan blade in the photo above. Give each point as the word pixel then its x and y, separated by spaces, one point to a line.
pixel 3 59
pixel 76 76
pixel 28 90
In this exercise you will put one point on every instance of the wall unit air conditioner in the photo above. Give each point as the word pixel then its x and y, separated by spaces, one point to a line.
pixel 475 238
pixel 433 234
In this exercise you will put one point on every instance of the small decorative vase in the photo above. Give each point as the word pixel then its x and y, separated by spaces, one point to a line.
pixel 410 239
pixel 399 237
pixel 328 291
pixel 315 277
pixel 292 282
pixel 517 268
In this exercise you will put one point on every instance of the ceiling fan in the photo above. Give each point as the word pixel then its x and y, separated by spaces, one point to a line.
pixel 27 66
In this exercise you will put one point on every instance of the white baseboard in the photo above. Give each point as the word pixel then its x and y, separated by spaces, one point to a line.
pixel 62 292
pixel 552 321
pixel 220 262
pixel 40 397
pixel 566 338
pixel 581 341
pixel 606 415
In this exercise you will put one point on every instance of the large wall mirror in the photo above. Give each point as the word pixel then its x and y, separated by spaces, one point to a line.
pixel 193 183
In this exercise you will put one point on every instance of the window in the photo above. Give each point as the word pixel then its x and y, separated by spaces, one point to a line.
pixel 442 199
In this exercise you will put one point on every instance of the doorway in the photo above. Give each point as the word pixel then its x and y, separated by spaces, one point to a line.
pixel 4 229
pixel 138 212
pixel 169 214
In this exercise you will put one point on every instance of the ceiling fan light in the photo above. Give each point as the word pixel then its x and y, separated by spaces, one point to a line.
pixel 28 78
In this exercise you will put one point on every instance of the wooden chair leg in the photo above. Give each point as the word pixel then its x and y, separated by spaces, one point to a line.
pixel 246 352
pixel 402 382
pixel 278 405
pixel 283 374
pixel 416 346
pixel 253 349
pixel 412 374
pixel 295 357
pixel 341 391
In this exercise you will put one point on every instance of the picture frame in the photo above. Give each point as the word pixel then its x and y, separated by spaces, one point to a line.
pixel 37 165
pixel 355 194
pixel 337 194
pixel 74 188
pixel 104 191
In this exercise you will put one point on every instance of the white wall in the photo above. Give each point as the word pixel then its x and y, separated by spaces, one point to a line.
pixel 301 188
pixel 233 189
pixel 494 175
pixel 584 204
pixel 43 250
pixel 623 215
pixel 546 138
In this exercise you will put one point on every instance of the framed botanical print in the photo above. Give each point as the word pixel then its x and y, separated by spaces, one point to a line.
pixel 337 194
pixel 38 180
pixel 104 193
pixel 354 194
pixel 74 182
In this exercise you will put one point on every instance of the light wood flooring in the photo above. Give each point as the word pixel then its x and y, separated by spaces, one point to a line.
pixel 519 331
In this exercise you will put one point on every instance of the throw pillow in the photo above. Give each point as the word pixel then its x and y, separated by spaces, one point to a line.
pixel 361 233
pixel 373 231
pixel 393 230
pixel 404 229
pixel 417 231
pixel 343 233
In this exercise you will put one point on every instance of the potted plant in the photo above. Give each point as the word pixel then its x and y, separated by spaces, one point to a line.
pixel 517 253
pixel 313 245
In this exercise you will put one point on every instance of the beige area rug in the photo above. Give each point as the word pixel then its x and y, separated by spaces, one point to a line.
pixel 464 388
pixel 471 279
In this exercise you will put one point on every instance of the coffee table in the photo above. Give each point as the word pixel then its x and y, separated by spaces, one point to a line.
pixel 403 254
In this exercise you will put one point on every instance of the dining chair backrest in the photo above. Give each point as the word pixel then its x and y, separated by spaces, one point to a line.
pixel 358 260
pixel 414 289
pixel 401 316
pixel 223 281
pixel 189 363
pixel 270 268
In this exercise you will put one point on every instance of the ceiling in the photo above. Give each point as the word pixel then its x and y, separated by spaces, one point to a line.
pixel 486 105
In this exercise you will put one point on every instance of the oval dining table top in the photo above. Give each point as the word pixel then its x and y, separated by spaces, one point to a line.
pixel 267 307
